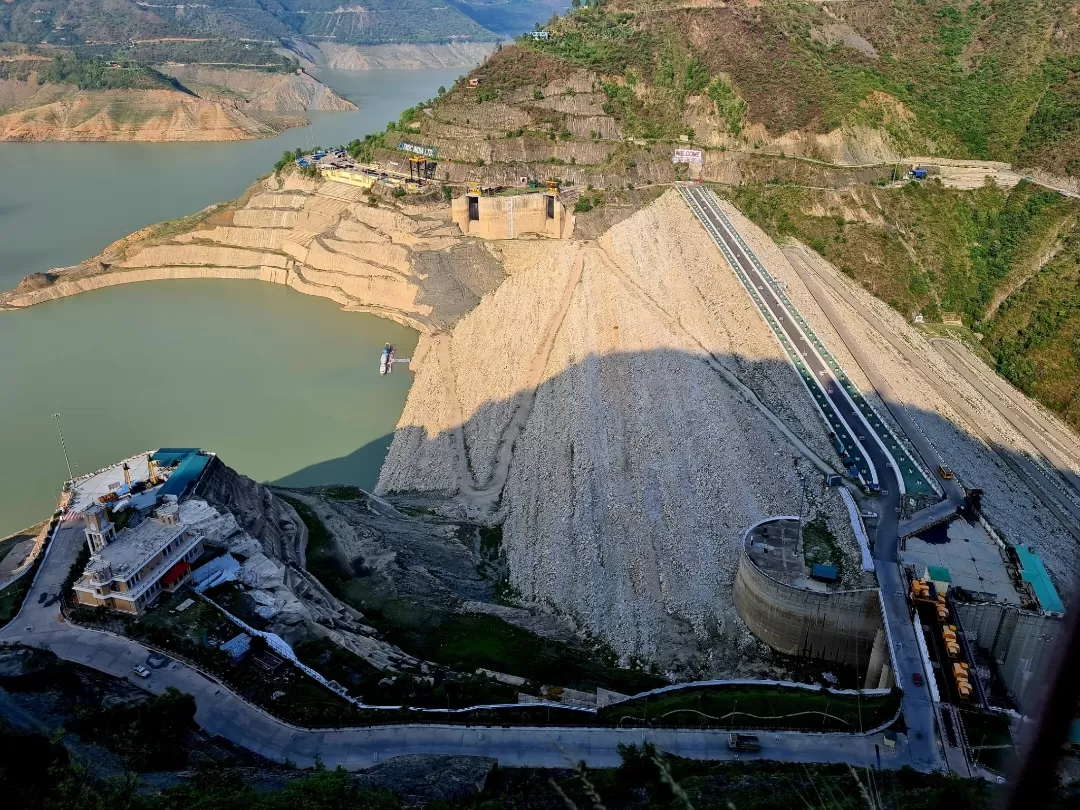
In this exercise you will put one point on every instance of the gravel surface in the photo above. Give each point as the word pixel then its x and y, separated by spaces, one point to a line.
pixel 640 467
pixel 1007 503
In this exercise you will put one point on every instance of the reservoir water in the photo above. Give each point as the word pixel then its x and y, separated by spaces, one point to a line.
pixel 283 386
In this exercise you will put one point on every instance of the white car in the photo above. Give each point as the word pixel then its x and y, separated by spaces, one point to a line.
pixel 142 671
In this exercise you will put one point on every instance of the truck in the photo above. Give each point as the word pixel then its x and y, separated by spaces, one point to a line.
pixel 945 472
pixel 743 742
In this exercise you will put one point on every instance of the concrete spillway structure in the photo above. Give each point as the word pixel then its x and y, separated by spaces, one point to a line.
pixel 509 217
pixel 795 615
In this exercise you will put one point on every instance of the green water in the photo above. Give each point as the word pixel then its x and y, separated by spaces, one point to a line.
pixel 283 386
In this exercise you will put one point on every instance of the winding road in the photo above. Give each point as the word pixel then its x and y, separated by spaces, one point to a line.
pixel 919 711
pixel 221 712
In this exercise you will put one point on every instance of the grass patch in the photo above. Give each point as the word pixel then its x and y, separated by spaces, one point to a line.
pixel 761 707
pixel 441 690
pixel 464 642
pixel 341 492
pixel 820 546
pixel 937 251
pixel 323 560
pixel 11 598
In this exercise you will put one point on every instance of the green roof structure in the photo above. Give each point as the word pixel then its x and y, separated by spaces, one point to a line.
pixel 939 574
pixel 1034 572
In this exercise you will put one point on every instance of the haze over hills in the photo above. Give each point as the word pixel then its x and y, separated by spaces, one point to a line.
pixel 104 57
pixel 75 22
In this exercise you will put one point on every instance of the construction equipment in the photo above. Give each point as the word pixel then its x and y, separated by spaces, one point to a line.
pixel 963 682
pixel 152 465
pixel 475 189
pixel 552 186
pixel 743 742
pixel 421 168
pixel 945 472
pixel 942 608
pixel 952 646
pixel 127 474
pixel 923 591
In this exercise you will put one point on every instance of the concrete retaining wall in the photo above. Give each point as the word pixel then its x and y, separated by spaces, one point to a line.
pixel 838 626
pixel 1022 644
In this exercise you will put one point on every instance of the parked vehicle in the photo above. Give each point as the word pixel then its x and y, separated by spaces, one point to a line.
pixel 917 679
pixel 142 671
pixel 743 742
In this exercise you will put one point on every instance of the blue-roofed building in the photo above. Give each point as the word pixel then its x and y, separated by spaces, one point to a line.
pixel 824 573
pixel 185 475
pixel 1033 572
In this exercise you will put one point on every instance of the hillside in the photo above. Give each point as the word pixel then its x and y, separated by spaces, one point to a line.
pixel 58 113
pixel 848 84
pixel 1002 261
pixel 49 94
pixel 785 98
pixel 84 22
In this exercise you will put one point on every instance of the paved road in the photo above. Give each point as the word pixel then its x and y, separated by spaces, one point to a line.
pixel 1023 468
pixel 919 712
pixel 221 712
pixel 926 451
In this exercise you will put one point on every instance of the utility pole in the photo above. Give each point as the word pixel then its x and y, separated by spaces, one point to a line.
pixel 67 460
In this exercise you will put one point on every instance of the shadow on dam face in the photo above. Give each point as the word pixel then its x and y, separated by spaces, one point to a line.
pixel 633 480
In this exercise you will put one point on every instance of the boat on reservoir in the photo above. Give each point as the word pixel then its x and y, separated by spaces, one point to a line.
pixel 386 360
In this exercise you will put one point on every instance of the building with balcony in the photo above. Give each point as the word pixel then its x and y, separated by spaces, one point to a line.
pixel 129 569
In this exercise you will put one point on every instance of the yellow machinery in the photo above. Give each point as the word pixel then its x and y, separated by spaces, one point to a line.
pixel 945 472
pixel 952 646
pixel 920 590
pixel 942 608
pixel 963 682
pixel 154 480
pixel 552 186
pixel 475 189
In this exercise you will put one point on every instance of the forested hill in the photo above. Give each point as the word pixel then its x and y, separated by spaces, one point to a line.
pixel 77 22
pixel 988 79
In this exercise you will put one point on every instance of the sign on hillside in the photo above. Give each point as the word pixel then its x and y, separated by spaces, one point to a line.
pixel 688 156
pixel 426 151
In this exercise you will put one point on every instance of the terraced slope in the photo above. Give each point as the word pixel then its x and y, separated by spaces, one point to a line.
pixel 846 83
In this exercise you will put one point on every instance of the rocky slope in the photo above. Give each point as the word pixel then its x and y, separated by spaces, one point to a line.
pixel 62 113
pixel 259 90
pixel 404 56
pixel 212 104
pixel 614 436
